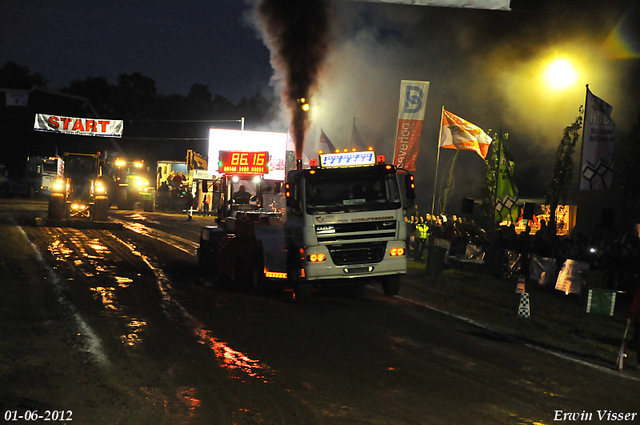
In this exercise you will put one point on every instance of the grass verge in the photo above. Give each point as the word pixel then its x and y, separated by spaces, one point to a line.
pixel 558 322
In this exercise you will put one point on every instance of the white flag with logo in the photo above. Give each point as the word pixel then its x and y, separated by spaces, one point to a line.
pixel 598 139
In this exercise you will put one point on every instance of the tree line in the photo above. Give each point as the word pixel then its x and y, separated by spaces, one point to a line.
pixel 157 126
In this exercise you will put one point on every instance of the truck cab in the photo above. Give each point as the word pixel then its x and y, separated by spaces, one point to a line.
pixel 345 222
pixel 343 225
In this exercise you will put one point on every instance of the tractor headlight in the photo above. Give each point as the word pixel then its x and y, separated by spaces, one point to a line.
pixel 141 183
pixel 59 185
pixel 100 188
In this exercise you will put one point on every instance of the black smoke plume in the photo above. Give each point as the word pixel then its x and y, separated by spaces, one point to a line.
pixel 297 34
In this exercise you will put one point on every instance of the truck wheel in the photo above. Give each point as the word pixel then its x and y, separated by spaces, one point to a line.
pixel 391 285
pixel 258 281
pixel 302 292
pixel 56 208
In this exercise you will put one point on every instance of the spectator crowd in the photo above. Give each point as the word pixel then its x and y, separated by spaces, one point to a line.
pixel 618 258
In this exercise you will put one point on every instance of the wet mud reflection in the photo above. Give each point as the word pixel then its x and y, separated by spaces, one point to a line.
pixel 229 358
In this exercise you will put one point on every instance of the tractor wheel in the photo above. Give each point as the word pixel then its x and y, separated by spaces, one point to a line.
pixel 100 210
pixel 149 206
pixel 57 206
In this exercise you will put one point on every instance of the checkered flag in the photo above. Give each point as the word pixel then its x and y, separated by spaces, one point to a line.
pixel 524 309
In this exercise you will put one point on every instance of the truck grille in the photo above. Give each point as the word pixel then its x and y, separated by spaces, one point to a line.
pixel 353 231
pixel 357 253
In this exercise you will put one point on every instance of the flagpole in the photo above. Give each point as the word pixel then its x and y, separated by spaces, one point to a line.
pixel 584 120
pixel 435 183
pixel 353 130
pixel 495 193
pixel 579 195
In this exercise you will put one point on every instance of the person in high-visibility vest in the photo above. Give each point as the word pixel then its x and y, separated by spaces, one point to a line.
pixel 422 232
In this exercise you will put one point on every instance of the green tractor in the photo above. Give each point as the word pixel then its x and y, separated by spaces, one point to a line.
pixel 130 186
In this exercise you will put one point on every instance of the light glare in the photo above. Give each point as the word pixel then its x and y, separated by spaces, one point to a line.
pixel 560 74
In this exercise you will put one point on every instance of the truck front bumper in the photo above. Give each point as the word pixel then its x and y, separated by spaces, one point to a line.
pixel 327 270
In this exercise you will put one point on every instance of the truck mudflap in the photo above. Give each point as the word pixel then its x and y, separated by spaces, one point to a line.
pixel 274 251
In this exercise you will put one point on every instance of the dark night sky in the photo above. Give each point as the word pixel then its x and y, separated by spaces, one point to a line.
pixel 483 65
pixel 176 44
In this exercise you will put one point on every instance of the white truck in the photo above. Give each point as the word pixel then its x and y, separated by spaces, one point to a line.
pixel 39 176
pixel 343 225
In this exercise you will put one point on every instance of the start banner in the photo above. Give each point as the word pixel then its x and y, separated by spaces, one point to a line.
pixel 413 102
pixel 79 126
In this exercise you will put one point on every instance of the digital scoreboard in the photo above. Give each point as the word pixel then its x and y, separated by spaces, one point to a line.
pixel 347 159
pixel 243 162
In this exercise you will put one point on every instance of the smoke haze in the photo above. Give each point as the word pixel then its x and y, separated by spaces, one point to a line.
pixel 484 66
pixel 296 33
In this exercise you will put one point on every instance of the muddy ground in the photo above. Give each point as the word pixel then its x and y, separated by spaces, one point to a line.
pixel 114 327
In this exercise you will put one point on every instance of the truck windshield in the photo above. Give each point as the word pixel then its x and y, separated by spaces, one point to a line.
pixel 80 167
pixel 351 190
pixel 50 167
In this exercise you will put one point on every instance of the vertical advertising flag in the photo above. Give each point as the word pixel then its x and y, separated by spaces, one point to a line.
pixel 506 191
pixel 598 141
pixel 413 102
